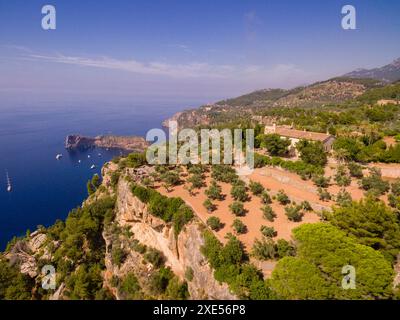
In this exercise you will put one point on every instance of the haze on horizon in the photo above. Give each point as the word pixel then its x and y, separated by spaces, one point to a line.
pixel 185 49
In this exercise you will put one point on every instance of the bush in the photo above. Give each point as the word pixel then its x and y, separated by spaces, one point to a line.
pixel 239 226
pixel 341 177
pixel 268 213
pixel 266 198
pixel 294 213
pixel 275 145
pixel 321 181
pixel 237 208
pixel 355 170
pixel 312 152
pixel 214 223
pixel 155 257
pixel 209 205
pixel 343 198
pixel 130 288
pixel 324 194
pixel 395 187
pixel 264 249
pixel 282 198
pixel 224 173
pixel 214 192
pixel 375 183
pixel 189 274
pixel 306 206
pixel 118 255
pixel 268 232
pixel 238 192
pixel 256 188
pixel 284 248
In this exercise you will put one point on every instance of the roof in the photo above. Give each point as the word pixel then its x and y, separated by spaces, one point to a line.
pixel 298 134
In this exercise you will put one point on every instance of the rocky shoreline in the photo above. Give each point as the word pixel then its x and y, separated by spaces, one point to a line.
pixel 128 143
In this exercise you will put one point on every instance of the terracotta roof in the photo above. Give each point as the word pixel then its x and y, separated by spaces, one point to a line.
pixel 298 134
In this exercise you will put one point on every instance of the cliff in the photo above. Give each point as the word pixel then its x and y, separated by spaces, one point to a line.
pixel 128 143
pixel 181 253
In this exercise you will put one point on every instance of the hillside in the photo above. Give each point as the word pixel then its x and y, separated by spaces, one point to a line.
pixel 387 73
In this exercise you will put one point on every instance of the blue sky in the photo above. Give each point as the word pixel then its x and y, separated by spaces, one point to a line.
pixel 187 49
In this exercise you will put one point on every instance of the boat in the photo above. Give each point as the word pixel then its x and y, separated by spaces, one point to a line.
pixel 59 156
pixel 88 156
pixel 9 187
pixel 93 167
pixel 79 161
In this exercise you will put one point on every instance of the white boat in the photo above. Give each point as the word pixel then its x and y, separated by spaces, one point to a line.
pixel 93 167
pixel 59 156
pixel 79 161
pixel 88 156
pixel 9 187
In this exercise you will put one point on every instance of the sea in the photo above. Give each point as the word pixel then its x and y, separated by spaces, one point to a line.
pixel 32 134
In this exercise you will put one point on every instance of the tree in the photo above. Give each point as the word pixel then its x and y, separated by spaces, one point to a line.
pixel 214 223
pixel 237 208
pixel 284 248
pixel 155 257
pixel 306 206
pixel 374 183
pixel 170 178
pixel 130 287
pixel 268 213
pixel 312 152
pixel 372 223
pixel 341 177
pixel 239 192
pixel 351 146
pixel 268 232
pixel 214 192
pixel 395 187
pixel 294 213
pixel 209 205
pixel 355 170
pixel 239 226
pixel 266 198
pixel 264 249
pixel 324 194
pixel 282 197
pixel 343 198
pixel 256 188
pixel 90 188
pixel 275 145
pixel 196 181
pixel 321 181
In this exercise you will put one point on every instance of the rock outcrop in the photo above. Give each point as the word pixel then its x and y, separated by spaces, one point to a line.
pixel 128 143
pixel 181 252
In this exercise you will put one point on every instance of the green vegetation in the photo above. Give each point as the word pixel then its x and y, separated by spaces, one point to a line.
pixel 214 223
pixel 321 181
pixel 239 226
pixel 372 223
pixel 266 198
pixel 374 183
pixel 231 266
pixel 168 209
pixel 224 173
pixel 282 198
pixel 275 145
pixel 268 232
pixel 342 179
pixel 294 213
pixel 343 198
pixel 93 184
pixel 324 194
pixel 312 152
pixel 315 272
pixel 268 213
pixel 214 192
pixel 209 205
pixel 239 192
pixel 237 208
pixel 256 188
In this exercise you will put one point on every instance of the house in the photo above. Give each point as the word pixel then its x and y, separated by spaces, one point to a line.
pixel 296 135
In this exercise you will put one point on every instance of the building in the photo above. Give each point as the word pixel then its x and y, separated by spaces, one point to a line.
pixel 296 135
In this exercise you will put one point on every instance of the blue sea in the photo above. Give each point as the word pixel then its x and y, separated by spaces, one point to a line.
pixel 32 134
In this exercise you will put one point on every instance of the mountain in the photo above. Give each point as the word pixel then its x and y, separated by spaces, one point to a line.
pixel 388 73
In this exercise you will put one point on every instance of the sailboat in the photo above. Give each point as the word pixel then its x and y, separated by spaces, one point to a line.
pixel 9 187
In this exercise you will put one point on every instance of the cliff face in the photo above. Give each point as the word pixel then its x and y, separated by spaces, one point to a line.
pixel 181 252
pixel 133 143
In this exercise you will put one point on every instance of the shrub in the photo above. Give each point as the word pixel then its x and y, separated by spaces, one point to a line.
pixel 275 145
pixel 324 194
pixel 130 287
pixel 268 232
pixel 214 192
pixel 196 181
pixel 118 254
pixel 294 213
pixel 312 152
pixel 238 192
pixel 155 257
pixel 343 198
pixel 306 206
pixel 264 249
pixel 282 198
pixel 214 223
pixel 268 213
pixel 395 187
pixel 321 181
pixel 224 173
pixel 375 183
pixel 284 248
pixel 355 170
pixel 237 208
pixel 239 226
pixel 189 274
pixel 266 198
pixel 209 205
pixel 256 188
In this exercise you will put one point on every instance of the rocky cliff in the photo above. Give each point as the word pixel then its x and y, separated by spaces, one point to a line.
pixel 181 252
pixel 128 143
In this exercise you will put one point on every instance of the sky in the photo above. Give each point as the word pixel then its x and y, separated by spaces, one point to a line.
pixel 186 49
